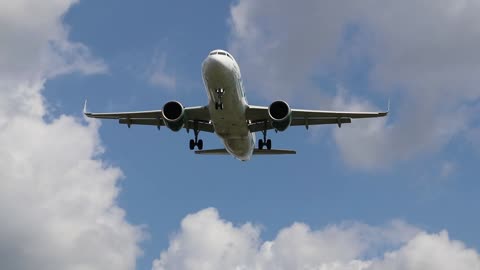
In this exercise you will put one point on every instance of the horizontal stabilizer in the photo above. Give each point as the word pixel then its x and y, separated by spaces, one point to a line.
pixel 274 152
pixel 223 151
pixel 212 152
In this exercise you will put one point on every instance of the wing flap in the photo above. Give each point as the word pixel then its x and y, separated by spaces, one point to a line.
pixel 147 122
pixel 260 126
pixel 198 113
pixel 202 126
pixel 320 121
pixel 155 114
pixel 256 113
pixel 334 114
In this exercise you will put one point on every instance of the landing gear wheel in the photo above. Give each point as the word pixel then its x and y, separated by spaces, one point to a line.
pixel 192 144
pixel 265 142
pixel 218 105
pixel 196 142
pixel 260 144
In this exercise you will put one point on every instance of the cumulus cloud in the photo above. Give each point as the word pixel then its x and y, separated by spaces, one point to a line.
pixel 429 251
pixel 422 52
pixel 205 241
pixel 57 198
pixel 158 74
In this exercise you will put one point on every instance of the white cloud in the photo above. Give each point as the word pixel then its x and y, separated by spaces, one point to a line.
pixel 37 46
pixel 158 74
pixel 424 53
pixel 447 169
pixel 57 198
pixel 429 251
pixel 205 241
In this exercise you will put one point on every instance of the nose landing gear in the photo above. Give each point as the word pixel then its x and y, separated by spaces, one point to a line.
pixel 220 92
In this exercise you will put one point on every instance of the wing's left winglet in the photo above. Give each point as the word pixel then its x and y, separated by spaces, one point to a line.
pixel 85 112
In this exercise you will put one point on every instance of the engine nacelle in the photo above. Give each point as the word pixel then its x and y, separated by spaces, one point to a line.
pixel 280 114
pixel 173 115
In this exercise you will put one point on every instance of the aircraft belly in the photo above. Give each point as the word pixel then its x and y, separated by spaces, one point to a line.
pixel 230 122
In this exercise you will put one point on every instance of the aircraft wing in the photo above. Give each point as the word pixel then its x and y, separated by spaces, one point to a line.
pixel 198 116
pixel 260 120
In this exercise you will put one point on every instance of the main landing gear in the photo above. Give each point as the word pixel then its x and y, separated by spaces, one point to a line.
pixel 196 142
pixel 265 142
pixel 220 92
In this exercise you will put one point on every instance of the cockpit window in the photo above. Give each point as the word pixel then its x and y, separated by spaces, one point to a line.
pixel 221 53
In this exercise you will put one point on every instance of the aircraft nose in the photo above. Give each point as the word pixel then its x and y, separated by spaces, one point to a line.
pixel 215 64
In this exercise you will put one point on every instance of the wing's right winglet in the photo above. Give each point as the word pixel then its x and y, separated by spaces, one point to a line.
pixel 385 113
pixel 388 109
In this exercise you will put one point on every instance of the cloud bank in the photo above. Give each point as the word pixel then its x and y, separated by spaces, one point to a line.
pixel 422 53
pixel 57 198
pixel 205 241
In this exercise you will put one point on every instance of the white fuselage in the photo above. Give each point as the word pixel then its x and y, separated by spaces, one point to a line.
pixel 221 73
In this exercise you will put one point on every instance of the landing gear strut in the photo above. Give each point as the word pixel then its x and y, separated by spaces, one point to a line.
pixel 220 92
pixel 265 142
pixel 196 142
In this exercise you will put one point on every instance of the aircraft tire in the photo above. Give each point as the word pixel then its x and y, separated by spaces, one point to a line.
pixel 260 144
pixel 192 144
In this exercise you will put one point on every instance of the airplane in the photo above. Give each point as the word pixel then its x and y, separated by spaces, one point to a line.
pixel 229 115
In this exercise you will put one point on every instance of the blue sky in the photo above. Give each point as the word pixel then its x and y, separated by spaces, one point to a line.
pixel 372 173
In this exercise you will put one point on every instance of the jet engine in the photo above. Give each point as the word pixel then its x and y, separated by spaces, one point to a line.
pixel 280 115
pixel 173 115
